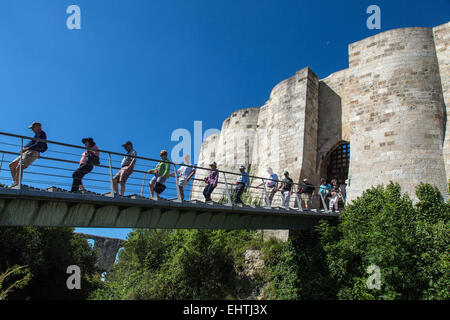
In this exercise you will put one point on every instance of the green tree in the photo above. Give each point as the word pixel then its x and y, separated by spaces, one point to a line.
pixel 20 274
pixel 48 252
pixel 181 264
pixel 409 243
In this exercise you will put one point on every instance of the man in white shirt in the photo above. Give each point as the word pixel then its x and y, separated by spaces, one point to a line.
pixel 126 170
pixel 185 174
pixel 271 185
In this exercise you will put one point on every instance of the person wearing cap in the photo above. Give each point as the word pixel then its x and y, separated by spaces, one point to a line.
pixel 30 152
pixel 271 185
pixel 89 159
pixel 242 184
pixel 127 166
pixel 185 174
pixel 211 181
pixel 306 193
pixel 286 190
pixel 161 172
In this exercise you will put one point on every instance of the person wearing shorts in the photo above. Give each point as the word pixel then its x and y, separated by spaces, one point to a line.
pixel 126 170
pixel 306 194
pixel 161 172
pixel 31 151
pixel 271 185
pixel 185 174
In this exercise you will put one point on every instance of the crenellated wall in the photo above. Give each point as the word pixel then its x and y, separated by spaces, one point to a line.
pixel 230 149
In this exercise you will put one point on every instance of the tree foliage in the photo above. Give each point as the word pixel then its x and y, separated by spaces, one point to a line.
pixel 21 275
pixel 47 252
pixel 181 264
pixel 409 243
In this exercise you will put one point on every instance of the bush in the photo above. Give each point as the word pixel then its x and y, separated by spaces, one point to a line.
pixel 409 243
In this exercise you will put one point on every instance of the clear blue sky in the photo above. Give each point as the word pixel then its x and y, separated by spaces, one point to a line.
pixel 141 69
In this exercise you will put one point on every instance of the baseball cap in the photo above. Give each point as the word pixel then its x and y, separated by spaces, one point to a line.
pixel 305 180
pixel 213 164
pixel 128 142
pixel 35 123
pixel 242 167
pixel 285 172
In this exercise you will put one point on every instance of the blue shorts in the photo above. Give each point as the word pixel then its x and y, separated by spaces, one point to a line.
pixel 157 179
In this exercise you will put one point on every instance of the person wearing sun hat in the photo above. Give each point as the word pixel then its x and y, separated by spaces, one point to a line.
pixel 89 158
pixel 31 151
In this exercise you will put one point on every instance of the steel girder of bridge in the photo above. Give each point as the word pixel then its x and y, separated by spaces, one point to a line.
pixel 53 207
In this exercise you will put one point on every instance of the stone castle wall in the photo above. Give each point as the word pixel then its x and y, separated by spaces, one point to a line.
pixel 391 105
pixel 396 116
pixel 287 129
pixel 230 149
pixel 442 43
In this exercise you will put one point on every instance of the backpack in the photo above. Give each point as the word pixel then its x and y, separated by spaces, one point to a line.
pixel 92 159
pixel 44 148
pixel 159 187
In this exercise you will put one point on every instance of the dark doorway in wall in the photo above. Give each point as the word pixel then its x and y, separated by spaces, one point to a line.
pixel 339 163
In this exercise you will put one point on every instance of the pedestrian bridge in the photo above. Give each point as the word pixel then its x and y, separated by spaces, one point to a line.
pixel 58 208
pixel 33 203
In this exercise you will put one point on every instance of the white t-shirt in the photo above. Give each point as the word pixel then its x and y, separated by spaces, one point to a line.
pixel 184 172
pixel 270 183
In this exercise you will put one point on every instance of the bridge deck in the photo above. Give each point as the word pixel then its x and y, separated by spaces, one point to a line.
pixel 57 207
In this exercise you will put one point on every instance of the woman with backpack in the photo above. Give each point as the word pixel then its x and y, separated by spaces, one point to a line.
pixel 89 159
pixel 161 172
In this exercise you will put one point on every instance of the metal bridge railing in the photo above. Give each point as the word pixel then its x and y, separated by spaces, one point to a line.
pixel 53 167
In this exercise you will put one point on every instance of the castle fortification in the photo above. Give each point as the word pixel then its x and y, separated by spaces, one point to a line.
pixel 382 119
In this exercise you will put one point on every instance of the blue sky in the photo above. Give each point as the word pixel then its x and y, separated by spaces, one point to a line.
pixel 138 70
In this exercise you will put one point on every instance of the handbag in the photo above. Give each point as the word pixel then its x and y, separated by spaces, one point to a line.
pixel 92 159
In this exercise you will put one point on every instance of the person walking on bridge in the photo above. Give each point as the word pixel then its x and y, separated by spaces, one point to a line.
pixel 161 172
pixel 31 151
pixel 324 193
pixel 211 181
pixel 89 159
pixel 306 193
pixel 185 174
pixel 242 184
pixel 286 190
pixel 335 193
pixel 271 185
pixel 127 167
